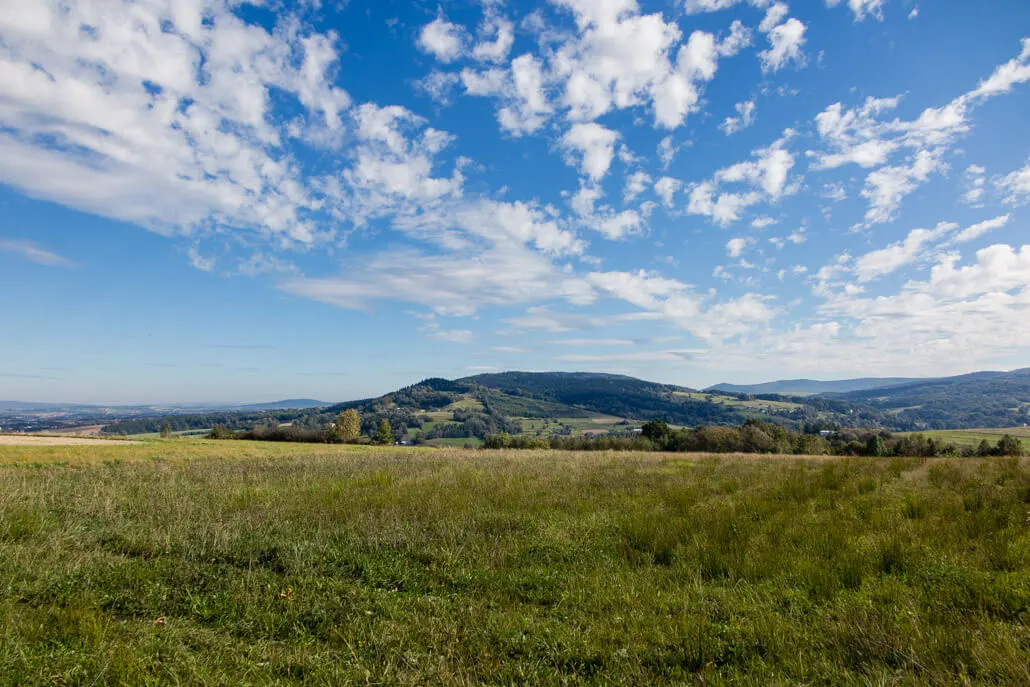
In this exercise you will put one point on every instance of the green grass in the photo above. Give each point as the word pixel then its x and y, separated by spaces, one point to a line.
pixel 577 425
pixel 973 437
pixel 467 403
pixel 200 562
pixel 756 404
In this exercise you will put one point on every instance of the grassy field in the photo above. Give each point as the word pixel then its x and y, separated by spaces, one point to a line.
pixel 973 437
pixel 578 426
pixel 201 562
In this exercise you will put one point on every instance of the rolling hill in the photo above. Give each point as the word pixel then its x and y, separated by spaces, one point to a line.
pixel 812 387
pixel 287 404
pixel 581 402
pixel 561 401
pixel 979 399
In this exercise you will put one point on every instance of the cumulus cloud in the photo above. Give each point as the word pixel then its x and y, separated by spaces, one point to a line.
pixel 881 262
pixel 786 38
pixel 619 58
pixel 161 114
pixel 497 36
pixel 766 177
pixel 864 137
pixel 676 302
pixel 636 183
pixel 521 89
pixel 887 187
pixel 442 39
pixel 864 8
pixel 735 247
pixel 590 146
pixel 666 188
pixel 745 118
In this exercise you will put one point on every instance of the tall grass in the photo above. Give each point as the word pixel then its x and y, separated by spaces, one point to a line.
pixel 459 567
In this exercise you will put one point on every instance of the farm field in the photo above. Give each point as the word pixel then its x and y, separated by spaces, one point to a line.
pixel 577 426
pixel 197 561
pixel 755 404
pixel 973 437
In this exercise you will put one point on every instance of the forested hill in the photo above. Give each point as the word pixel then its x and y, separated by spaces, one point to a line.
pixel 485 404
pixel 980 399
pixel 616 395
pixel 561 394
pixel 811 387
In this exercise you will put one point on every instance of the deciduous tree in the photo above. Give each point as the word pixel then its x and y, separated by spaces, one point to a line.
pixel 349 425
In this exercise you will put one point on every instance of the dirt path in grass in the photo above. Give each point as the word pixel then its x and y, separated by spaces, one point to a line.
pixel 29 440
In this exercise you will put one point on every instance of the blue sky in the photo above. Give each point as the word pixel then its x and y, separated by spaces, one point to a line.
pixel 218 200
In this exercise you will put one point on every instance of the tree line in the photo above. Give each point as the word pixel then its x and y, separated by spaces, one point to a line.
pixel 755 436
pixel 347 429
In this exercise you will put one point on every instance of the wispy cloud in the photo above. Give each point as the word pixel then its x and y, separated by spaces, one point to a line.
pixel 643 357
pixel 32 252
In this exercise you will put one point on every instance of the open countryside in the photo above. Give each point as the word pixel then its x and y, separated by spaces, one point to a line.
pixel 514 343
pixel 220 562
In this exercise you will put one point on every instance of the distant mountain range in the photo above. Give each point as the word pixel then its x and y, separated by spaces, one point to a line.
pixel 288 404
pixel 810 387
pixel 982 399
pixel 34 417
pixel 511 401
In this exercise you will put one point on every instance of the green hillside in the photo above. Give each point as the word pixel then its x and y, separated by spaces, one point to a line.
pixel 576 403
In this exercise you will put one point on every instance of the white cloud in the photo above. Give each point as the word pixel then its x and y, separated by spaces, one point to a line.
pixel 796 237
pixel 592 147
pixel 735 247
pixel 914 13
pixel 1005 77
pixel 502 32
pixel 699 6
pixel 524 105
pixel 767 176
pixel 665 356
pixel 975 180
pixel 887 187
pixel 667 151
pixel 834 192
pixel 434 331
pixel 676 303
pixel 786 38
pixel 620 58
pixel 33 253
pixel 865 8
pixel 881 262
pixel 1016 186
pixel 160 115
pixel 745 117
pixel 666 188
pixel 977 230
pixel 862 137
pixel 200 262
pixel 636 184
pixel 769 171
pixel 443 40
pixel 617 225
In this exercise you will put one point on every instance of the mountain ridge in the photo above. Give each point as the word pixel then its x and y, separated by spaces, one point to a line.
pixel 811 387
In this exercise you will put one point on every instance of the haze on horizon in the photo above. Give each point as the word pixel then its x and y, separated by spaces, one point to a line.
pixel 211 200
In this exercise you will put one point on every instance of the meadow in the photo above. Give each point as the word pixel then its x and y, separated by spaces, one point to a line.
pixel 972 437
pixel 205 562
